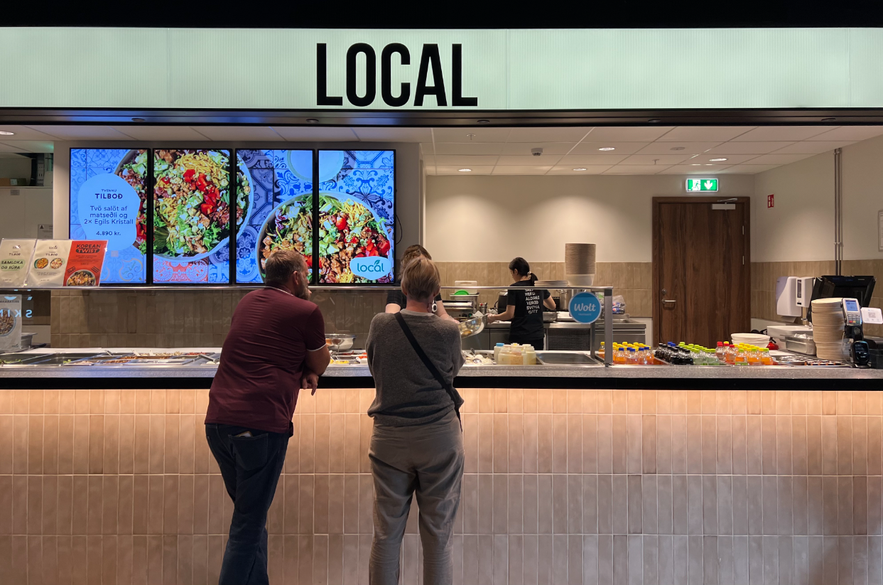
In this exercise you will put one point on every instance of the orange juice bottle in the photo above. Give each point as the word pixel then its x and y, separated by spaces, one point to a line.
pixel 618 354
pixel 766 358
pixel 754 358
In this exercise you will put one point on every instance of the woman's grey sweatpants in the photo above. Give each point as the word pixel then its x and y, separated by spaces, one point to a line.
pixel 426 460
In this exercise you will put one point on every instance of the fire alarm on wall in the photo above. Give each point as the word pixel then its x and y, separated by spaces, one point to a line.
pixel 770 201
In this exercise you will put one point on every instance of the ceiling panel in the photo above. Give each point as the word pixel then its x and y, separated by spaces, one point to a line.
pixel 477 134
pixel 694 170
pixel 781 133
pixel 549 160
pixel 524 148
pixel 853 133
pixel 635 170
pixel 25 133
pixel 448 160
pixel 656 159
pixel 239 133
pixel 394 134
pixel 749 169
pixel 688 147
pixel 592 159
pixel 547 134
pixel 469 147
pixel 592 147
pixel 568 170
pixel 732 159
pixel 4 147
pixel 747 147
pixel 809 147
pixel 162 133
pixel 777 159
pixel 521 170
pixel 704 133
pixel 455 170
pixel 85 133
pixel 315 134
pixel 618 134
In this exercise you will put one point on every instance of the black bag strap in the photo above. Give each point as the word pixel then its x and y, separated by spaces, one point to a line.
pixel 429 365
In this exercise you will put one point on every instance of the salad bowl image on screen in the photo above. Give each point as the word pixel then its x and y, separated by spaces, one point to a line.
pixel 281 216
pixel 193 215
pixel 108 196
pixel 356 216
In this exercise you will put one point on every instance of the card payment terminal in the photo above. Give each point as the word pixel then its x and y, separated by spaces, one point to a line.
pixel 860 352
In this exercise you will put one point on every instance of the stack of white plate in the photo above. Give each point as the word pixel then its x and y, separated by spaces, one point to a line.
pixel 828 329
pixel 751 339
pixel 579 264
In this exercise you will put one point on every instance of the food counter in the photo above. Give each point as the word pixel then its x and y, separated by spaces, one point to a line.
pixel 195 367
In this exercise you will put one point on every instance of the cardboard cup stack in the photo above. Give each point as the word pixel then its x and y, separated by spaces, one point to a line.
pixel 579 264
pixel 828 329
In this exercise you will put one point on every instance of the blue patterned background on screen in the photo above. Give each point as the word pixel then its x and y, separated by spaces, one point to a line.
pixel 120 266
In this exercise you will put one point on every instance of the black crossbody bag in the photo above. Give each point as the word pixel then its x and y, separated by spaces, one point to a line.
pixel 429 365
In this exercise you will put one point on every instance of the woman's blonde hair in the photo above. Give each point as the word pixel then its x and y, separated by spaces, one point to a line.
pixel 421 281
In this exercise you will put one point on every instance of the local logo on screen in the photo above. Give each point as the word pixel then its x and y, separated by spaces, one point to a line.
pixel 372 268
pixel 430 87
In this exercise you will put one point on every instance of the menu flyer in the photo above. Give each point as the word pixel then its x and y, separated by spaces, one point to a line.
pixel 10 322
pixel 15 259
pixel 84 263
pixel 49 263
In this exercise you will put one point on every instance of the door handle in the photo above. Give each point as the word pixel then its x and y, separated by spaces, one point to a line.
pixel 669 301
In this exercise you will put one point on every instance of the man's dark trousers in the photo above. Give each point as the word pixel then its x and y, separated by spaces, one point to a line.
pixel 250 467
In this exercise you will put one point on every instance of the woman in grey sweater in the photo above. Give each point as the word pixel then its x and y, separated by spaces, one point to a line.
pixel 417 442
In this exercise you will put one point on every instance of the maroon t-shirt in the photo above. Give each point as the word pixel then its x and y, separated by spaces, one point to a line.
pixel 262 361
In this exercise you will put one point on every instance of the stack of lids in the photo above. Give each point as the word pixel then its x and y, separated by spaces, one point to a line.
pixel 828 329
pixel 579 264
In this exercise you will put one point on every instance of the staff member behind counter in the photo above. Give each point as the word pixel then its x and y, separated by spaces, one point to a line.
pixel 395 299
pixel 523 307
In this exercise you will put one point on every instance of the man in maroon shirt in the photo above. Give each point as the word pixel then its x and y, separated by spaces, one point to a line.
pixel 275 347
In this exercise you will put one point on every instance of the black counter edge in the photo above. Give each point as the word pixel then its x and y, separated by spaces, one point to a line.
pixel 477 382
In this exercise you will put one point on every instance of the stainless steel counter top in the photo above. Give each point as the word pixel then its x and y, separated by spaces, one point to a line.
pixel 548 371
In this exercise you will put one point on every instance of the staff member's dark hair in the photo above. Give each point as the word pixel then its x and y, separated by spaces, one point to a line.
pixel 521 266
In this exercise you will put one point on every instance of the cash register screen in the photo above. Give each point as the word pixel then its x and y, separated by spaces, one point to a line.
pixel 860 288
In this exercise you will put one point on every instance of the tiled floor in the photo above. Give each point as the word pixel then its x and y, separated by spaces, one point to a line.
pixel 561 486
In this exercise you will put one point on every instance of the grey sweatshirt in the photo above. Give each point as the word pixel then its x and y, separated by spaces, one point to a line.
pixel 407 393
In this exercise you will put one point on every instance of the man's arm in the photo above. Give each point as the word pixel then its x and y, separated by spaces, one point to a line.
pixel 317 360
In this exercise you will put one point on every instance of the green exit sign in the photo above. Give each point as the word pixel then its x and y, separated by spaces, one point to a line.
pixel 701 185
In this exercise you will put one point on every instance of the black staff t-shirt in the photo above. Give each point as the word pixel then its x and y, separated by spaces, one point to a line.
pixel 527 324
pixel 397 297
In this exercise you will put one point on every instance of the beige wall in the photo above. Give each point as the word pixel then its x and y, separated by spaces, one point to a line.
pixel 801 225
pixel 24 212
pixel 494 219
pixel 561 487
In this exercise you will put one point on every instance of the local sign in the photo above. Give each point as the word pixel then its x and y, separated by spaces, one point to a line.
pixel 701 185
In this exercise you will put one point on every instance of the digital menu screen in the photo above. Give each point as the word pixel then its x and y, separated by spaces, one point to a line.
pixel 108 194
pixel 193 216
pixel 356 216
pixel 279 193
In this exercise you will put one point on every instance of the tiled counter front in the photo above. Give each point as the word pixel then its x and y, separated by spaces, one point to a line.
pixel 561 487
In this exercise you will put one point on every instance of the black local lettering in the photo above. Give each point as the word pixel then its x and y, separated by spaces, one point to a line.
pixel 430 61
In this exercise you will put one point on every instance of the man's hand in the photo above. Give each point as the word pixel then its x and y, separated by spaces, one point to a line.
pixel 310 380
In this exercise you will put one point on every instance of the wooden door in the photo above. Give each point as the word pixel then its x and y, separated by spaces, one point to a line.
pixel 701 269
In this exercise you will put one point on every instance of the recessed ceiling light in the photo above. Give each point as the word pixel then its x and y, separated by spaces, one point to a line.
pixel 696 164
pixel 607 148
pixel 709 165
pixel 5 133
pixel 580 169
pixel 312 120
pixel 484 121
pixel 717 159
pixel 465 170
pixel 828 119
pixel 678 148
pixel 654 120
pixel 137 119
